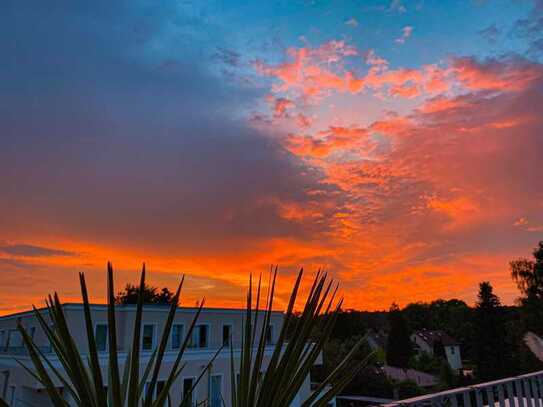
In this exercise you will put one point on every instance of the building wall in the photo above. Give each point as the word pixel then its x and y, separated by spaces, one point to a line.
pixel 28 391
pixel 422 344
pixel 453 357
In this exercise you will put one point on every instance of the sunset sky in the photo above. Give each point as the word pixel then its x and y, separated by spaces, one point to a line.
pixel 396 144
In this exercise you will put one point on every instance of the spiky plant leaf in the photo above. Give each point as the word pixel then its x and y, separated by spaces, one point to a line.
pixel 292 359
pixel 81 376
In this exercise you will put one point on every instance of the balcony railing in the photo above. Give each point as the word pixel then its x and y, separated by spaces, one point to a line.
pixel 518 391
pixel 21 350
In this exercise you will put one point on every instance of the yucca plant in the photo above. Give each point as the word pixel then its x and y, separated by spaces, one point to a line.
pixel 261 381
pixel 82 377
pixel 300 343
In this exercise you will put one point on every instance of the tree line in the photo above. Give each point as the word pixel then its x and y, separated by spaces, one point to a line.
pixel 490 334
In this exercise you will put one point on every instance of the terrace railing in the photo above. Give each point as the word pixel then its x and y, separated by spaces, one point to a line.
pixel 519 391
pixel 21 350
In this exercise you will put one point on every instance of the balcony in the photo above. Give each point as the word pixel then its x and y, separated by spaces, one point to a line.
pixel 213 346
pixel 519 391
pixel 21 350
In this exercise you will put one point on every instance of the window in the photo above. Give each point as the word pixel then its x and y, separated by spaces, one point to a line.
pixel 15 340
pixel 452 350
pixel 2 335
pixel 32 332
pixel 101 337
pixel 188 382
pixel 148 337
pixel 156 391
pixel 159 386
pixel 12 395
pixel 226 334
pixel 177 336
pixel 215 390
pixel 199 337
pixel 269 334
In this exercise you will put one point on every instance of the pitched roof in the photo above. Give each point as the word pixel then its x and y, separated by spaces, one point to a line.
pixel 421 378
pixel 438 336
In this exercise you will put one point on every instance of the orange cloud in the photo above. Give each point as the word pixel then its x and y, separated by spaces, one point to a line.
pixel 280 106
pixel 328 141
pixel 416 197
pixel 512 74
pixel 461 210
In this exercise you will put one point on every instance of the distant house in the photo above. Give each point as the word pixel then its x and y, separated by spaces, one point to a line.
pixel 376 340
pixel 439 343
pixel 422 379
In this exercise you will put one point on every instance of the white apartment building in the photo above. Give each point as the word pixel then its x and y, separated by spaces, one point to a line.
pixel 215 327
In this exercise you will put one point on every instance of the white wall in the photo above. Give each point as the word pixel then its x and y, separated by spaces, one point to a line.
pixel 453 357
pixel 421 343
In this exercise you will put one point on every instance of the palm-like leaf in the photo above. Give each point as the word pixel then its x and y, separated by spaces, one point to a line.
pixel 82 378
pixel 291 359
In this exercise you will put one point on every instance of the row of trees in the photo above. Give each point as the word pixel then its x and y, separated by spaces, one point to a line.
pixel 490 333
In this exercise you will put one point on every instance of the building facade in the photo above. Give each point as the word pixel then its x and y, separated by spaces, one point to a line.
pixel 215 327
pixel 438 342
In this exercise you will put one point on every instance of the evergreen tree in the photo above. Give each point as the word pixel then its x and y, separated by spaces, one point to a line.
pixel 490 335
pixel 399 343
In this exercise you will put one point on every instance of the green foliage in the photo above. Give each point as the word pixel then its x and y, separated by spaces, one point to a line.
pixel 380 356
pixel 453 316
pixel 349 323
pixel 399 347
pixel 291 360
pixel 425 362
pixel 371 381
pixel 151 295
pixel 408 389
pixel 447 378
pixel 528 274
pixel 83 379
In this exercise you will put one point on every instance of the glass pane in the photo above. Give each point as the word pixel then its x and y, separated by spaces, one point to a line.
pixel 187 388
pixel 177 335
pixel 202 343
pixel 15 339
pixel 226 335
pixel 101 337
pixel 269 334
pixel 215 399
pixel 159 387
pixel 148 333
pixel 194 337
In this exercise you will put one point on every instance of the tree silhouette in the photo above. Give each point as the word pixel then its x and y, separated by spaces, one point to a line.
pixel 399 343
pixel 150 295
pixel 528 274
pixel 490 335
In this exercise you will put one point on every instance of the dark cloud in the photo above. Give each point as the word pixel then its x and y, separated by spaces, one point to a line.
pixel 531 29
pixel 491 33
pixel 116 128
pixel 228 57
pixel 27 250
